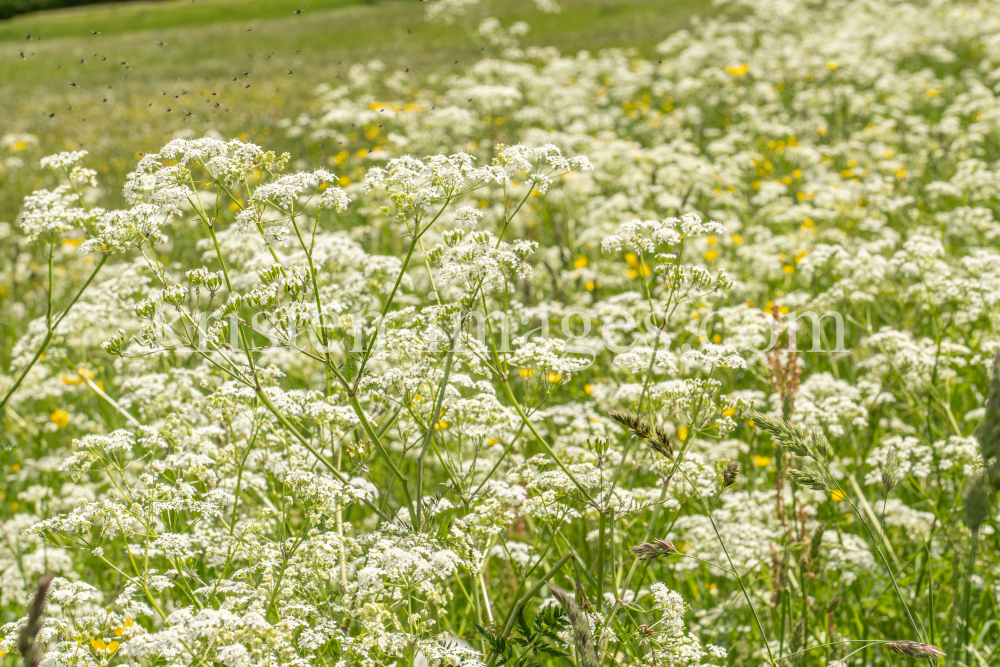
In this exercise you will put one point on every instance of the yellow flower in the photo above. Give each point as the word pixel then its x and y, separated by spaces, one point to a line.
pixel 809 223
pixel 797 173
pixel 901 173
pixel 581 262
pixel 788 268
pixel 343 181
pixel 716 339
pixel 932 93
pixel 682 433
pixel 832 65
pixel 120 630
pixel 236 205
pixel 553 377
pixel 738 70
pixel 729 412
pixel 836 495
pixel 737 239
pixel 588 389
pixel 440 425
pixel 526 372
pixel 711 240
pixel 711 254
pixel 632 259
pixel 15 467
pixel 99 645
pixel 18 146
pixel 60 418
pixel 82 373
pixel 761 461
pixel 590 285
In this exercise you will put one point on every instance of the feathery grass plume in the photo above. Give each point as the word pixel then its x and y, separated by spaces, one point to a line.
pixel 788 435
pixel 660 442
pixel 652 550
pixel 988 431
pixel 976 502
pixel 26 645
pixel 890 471
pixel 731 474
pixel 915 650
pixel 638 426
pixel 586 649
pixel 808 478
pixel 815 541
pixel 798 636
pixel 821 445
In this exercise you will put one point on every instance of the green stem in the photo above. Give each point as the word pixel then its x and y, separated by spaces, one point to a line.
pixel 541 440
pixel 601 527
pixel 966 594
pixel 51 331
pixel 430 434
pixel 512 616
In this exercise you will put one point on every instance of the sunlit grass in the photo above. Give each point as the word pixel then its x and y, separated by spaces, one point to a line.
pixel 182 58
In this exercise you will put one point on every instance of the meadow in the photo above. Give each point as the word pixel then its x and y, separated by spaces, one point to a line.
pixel 470 333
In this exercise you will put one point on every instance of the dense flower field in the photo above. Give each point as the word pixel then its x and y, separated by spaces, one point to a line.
pixel 589 359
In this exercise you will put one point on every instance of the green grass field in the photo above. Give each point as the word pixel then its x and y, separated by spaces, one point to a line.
pixel 70 88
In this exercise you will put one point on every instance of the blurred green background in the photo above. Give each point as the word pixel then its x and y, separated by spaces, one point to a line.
pixel 131 85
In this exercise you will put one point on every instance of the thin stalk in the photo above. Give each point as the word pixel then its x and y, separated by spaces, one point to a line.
pixel 966 594
pixel 51 332
pixel 515 610
pixel 601 527
pixel 541 440
pixel 435 416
